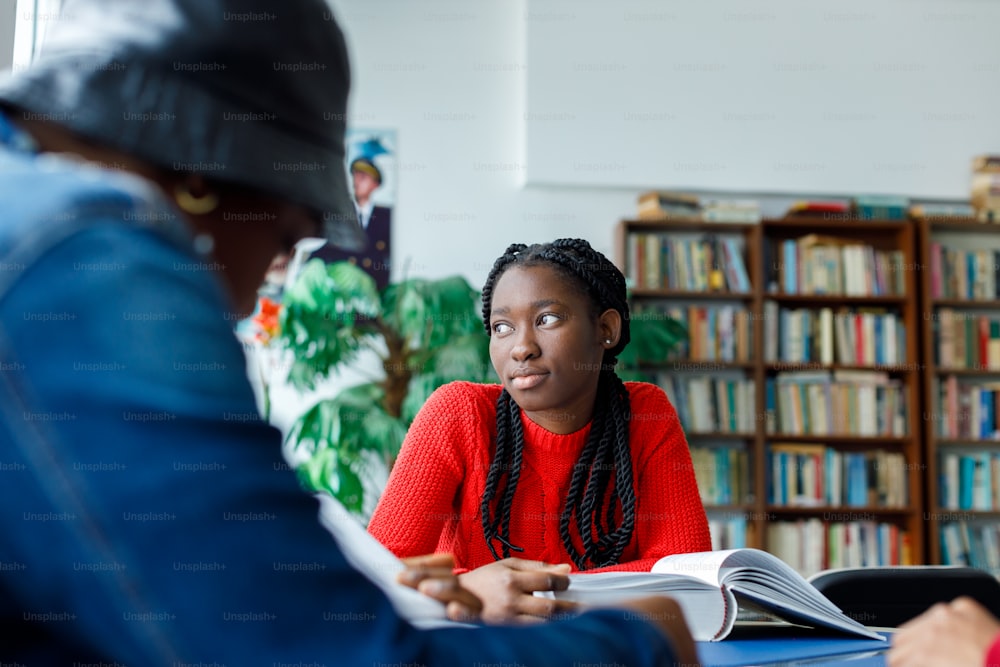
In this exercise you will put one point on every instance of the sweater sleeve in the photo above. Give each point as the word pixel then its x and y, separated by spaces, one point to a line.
pixel 670 517
pixel 993 655
pixel 420 495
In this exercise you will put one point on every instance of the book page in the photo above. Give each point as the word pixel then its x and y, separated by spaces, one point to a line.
pixel 704 565
pixel 379 565
pixel 766 582
pixel 708 610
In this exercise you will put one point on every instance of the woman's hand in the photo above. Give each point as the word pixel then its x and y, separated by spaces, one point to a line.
pixel 507 588
pixel 956 634
pixel 433 575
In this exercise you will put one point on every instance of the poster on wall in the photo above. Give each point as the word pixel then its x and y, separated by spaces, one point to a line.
pixel 371 166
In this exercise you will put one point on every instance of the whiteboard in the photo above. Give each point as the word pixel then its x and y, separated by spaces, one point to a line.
pixel 774 96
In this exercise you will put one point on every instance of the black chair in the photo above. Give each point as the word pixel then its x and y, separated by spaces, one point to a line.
pixel 889 596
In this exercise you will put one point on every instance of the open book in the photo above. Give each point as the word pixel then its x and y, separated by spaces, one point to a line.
pixel 710 587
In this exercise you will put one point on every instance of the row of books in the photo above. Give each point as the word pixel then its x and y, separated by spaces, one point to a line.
pixel 964 274
pixel 711 263
pixel 859 337
pixel 966 340
pixel 715 333
pixel 727 533
pixel 967 410
pixel 712 405
pixel 971 544
pixel 811 545
pixel 861 207
pixel 723 474
pixel 846 402
pixel 685 206
pixel 814 475
pixel 818 264
pixel 970 481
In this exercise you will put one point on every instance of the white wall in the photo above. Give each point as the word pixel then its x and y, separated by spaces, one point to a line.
pixel 450 76
pixel 845 97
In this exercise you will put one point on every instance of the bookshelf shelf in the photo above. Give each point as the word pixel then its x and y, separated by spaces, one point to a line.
pixel 967 442
pixel 701 365
pixel 838 438
pixel 848 226
pixel 718 435
pixel 841 512
pixel 954 514
pixel 835 299
pixel 647 293
pixel 961 225
pixel 894 387
pixel 779 366
pixel 973 372
pixel 736 509
pixel 985 304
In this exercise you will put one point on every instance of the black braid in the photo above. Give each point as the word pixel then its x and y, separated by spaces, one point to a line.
pixel 594 497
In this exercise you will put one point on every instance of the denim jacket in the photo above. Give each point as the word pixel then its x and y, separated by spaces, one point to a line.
pixel 148 517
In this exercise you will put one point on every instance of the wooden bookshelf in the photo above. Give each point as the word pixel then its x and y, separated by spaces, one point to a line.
pixel 949 305
pixel 758 242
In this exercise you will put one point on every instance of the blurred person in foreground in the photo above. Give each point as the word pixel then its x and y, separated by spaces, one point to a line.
pixel 960 633
pixel 153 162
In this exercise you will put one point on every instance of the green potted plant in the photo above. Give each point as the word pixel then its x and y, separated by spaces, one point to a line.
pixel 425 332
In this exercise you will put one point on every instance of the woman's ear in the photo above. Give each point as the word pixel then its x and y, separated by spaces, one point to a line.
pixel 609 328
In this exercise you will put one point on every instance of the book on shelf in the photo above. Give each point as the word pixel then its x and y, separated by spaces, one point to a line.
pixel 727 533
pixel 858 337
pixel 964 340
pixel 821 264
pixel 943 212
pixel 881 207
pixel 971 544
pixel 968 410
pixel 662 205
pixel 710 263
pixel 845 402
pixel 964 274
pixel 711 405
pixel 970 481
pixel 722 474
pixel 815 475
pixel 813 545
pixel 985 197
pixel 712 586
pixel 814 208
pixel 740 211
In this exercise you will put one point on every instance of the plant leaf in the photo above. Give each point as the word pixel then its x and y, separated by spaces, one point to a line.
pixel 320 319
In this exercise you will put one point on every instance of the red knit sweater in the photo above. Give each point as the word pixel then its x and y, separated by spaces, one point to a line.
pixel 431 501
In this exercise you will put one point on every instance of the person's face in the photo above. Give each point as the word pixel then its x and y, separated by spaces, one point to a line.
pixel 546 345
pixel 364 185
pixel 250 232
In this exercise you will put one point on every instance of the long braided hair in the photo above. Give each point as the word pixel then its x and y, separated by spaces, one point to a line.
pixel 601 483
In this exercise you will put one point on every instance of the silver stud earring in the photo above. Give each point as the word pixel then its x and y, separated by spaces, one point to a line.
pixel 607 341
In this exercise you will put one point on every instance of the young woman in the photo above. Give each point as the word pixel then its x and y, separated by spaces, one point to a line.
pixel 563 462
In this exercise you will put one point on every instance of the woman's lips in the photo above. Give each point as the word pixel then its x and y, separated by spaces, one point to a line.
pixel 528 381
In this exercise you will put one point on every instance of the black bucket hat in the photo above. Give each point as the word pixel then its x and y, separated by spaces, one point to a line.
pixel 251 93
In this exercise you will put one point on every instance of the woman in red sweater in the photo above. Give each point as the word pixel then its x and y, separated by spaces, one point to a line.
pixel 562 463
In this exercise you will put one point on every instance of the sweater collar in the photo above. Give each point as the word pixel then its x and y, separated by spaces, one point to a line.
pixel 541 438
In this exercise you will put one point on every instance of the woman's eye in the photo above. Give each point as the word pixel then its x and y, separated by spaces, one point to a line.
pixel 502 327
pixel 548 318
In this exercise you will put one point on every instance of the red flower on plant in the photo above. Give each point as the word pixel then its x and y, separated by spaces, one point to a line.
pixel 267 320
